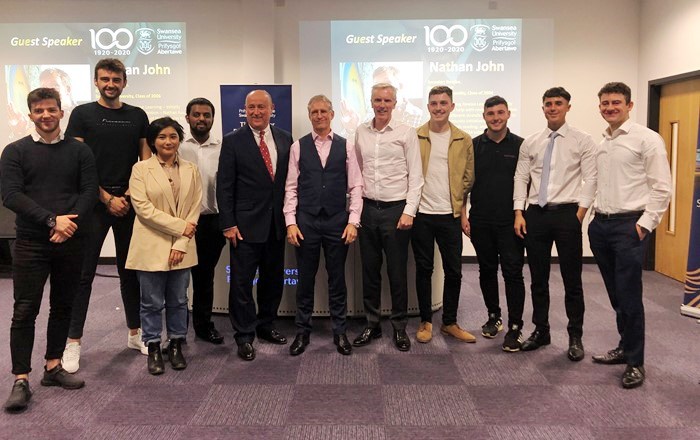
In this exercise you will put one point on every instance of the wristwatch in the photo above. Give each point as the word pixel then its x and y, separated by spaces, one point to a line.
pixel 51 221
pixel 356 225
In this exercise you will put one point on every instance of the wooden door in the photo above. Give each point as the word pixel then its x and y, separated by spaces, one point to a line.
pixel 678 125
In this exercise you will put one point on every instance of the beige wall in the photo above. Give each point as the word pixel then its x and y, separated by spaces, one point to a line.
pixel 256 41
pixel 669 44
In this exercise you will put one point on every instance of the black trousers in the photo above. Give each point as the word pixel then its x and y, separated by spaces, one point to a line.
pixel 322 231
pixel 446 230
pixel 496 243
pixel 620 255
pixel 558 225
pixel 379 234
pixel 33 263
pixel 210 242
pixel 268 260
pixel 94 233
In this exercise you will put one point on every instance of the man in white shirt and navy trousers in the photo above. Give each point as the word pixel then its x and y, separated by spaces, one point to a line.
pixel 634 189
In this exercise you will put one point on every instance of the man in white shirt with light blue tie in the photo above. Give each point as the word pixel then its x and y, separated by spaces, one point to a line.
pixel 633 192
pixel 558 164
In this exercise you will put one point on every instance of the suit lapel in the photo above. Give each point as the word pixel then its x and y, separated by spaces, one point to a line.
pixel 281 157
pixel 158 173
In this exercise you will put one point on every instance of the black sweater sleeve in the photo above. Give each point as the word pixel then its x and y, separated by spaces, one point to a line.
pixel 12 187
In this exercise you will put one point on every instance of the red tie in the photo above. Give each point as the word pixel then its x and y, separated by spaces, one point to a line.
pixel 266 155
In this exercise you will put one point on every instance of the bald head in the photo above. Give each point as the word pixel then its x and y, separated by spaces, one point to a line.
pixel 258 109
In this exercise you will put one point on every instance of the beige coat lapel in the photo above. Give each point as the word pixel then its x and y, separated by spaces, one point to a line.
pixel 156 170
pixel 186 178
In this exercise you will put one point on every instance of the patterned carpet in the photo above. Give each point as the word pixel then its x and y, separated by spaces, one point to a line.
pixel 441 390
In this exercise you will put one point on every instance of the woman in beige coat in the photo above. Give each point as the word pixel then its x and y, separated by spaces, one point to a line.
pixel 166 192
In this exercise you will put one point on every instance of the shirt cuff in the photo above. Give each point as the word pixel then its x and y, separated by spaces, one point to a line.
pixel 646 222
pixel 290 219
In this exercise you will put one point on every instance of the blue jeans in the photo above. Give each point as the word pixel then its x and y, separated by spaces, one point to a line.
pixel 163 290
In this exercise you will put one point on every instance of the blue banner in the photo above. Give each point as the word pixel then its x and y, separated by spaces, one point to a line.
pixel 692 277
pixel 233 105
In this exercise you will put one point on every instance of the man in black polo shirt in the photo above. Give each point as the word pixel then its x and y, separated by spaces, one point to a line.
pixel 490 222
pixel 49 181
pixel 116 134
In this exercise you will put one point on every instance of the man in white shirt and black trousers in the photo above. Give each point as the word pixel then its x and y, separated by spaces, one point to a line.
pixel 634 189
pixel 203 150
pixel 389 156
pixel 559 165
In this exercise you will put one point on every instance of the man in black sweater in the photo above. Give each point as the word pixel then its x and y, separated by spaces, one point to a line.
pixel 50 182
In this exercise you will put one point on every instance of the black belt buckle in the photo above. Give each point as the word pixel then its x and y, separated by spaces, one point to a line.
pixel 117 191
pixel 557 207
pixel 382 205
pixel 619 215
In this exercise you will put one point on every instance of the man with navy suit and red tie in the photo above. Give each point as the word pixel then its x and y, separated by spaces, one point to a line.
pixel 250 193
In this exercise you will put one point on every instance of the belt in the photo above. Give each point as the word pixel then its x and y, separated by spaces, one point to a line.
pixel 115 190
pixel 556 207
pixel 383 205
pixel 619 215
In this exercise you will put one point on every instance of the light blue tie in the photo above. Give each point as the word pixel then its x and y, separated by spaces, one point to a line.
pixel 546 164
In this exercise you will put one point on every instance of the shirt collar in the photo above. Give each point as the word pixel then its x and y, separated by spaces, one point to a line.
pixel 389 126
pixel 176 162
pixel 208 143
pixel 486 137
pixel 317 136
pixel 257 132
pixel 624 128
pixel 37 137
pixel 563 130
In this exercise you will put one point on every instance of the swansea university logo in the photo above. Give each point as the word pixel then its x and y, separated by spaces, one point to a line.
pixel 144 40
pixel 480 40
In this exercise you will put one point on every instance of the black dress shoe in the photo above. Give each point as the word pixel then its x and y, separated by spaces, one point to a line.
pixel 210 334
pixel 246 351
pixel 633 377
pixel 342 344
pixel 299 345
pixel 575 352
pixel 155 359
pixel 401 340
pixel 273 337
pixel 367 335
pixel 19 397
pixel 537 339
pixel 613 357
pixel 177 359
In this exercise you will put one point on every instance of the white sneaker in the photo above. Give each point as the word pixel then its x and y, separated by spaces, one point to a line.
pixel 136 343
pixel 71 357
